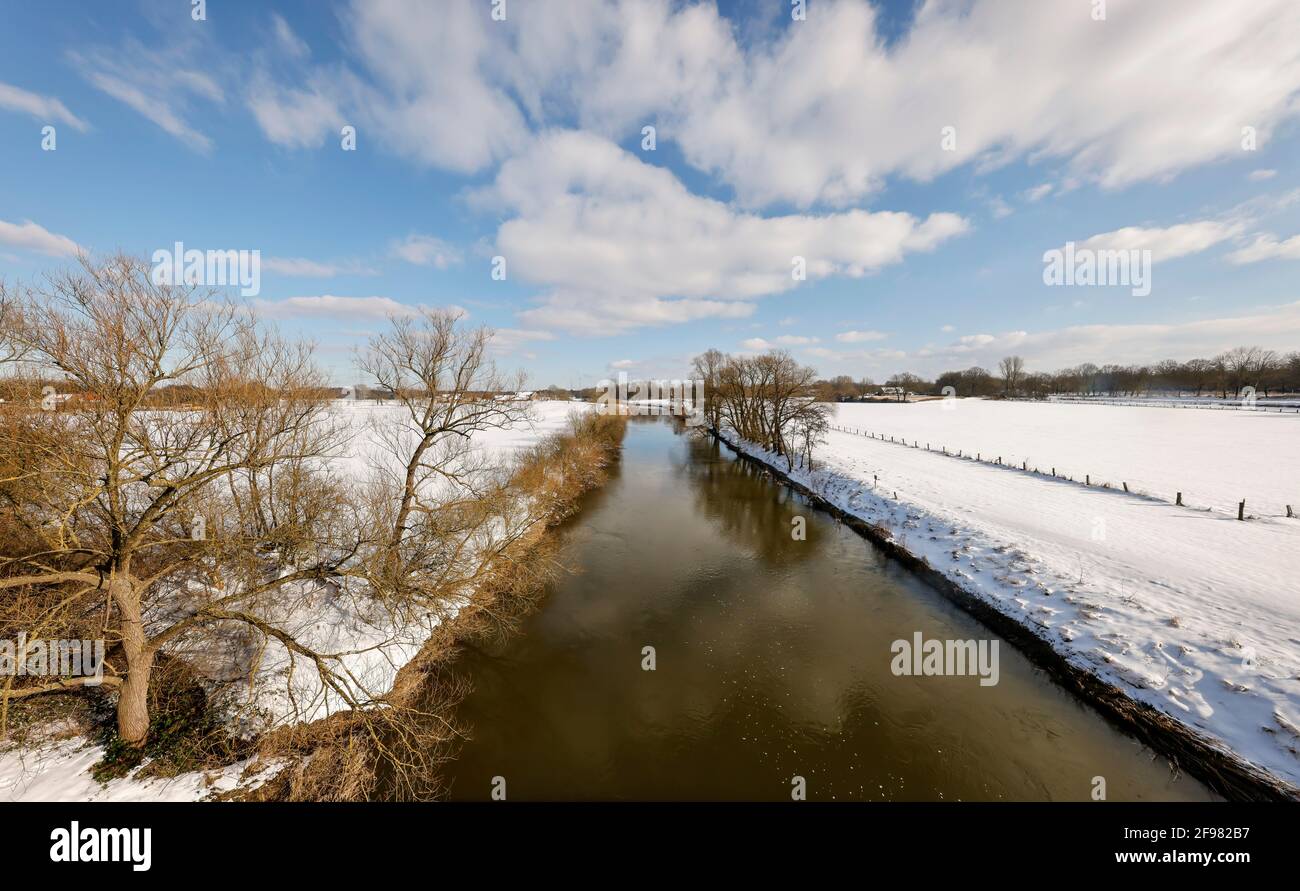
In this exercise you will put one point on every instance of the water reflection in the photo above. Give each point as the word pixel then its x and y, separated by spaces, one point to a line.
pixel 772 661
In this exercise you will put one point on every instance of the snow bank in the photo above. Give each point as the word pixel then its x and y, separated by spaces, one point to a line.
pixel 1192 612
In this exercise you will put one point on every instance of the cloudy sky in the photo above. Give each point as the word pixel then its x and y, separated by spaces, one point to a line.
pixel 919 157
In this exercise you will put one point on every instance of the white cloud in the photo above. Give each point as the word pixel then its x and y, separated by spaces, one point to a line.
pixel 596 314
pixel 44 108
pixel 859 336
pixel 292 117
pixel 509 340
pixel 1165 243
pixel 978 341
pixel 761 344
pixel 32 237
pixel 999 208
pixel 159 84
pixel 435 92
pixel 1267 247
pixel 824 112
pixel 1275 327
pixel 426 250
pixel 601 228
pixel 286 40
pixel 831 109
pixel 1259 176
pixel 868 358
pixel 328 306
pixel 304 268
pixel 1038 193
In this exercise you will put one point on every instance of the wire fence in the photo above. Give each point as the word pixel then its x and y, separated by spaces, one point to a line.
pixel 1287 407
pixel 1024 467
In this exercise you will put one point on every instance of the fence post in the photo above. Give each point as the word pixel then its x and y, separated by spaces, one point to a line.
pixel 1179 500
pixel 1241 510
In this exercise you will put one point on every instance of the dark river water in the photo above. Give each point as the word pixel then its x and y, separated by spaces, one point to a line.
pixel 772 661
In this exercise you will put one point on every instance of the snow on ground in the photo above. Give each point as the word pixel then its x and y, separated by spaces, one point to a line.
pixel 1215 458
pixel 60 771
pixel 1188 610
pixel 365 448
pixel 377 644
pixel 328 619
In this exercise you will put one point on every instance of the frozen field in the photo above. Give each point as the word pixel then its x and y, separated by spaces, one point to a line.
pixel 1215 458
pixel 1191 611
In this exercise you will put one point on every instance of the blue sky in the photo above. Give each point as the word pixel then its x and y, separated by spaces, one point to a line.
pixel 776 138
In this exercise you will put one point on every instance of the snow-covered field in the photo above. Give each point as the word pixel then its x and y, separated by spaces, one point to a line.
pixel 365 448
pixel 376 644
pixel 1215 458
pixel 1188 610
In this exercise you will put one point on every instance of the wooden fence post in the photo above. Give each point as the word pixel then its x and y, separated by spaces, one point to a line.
pixel 1179 500
pixel 1241 510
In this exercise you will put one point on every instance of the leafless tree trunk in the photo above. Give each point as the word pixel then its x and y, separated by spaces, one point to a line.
pixel 140 511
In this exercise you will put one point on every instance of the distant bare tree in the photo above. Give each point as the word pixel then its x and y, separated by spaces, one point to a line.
pixel 1012 369
pixel 769 400
pixel 708 368
pixel 1245 367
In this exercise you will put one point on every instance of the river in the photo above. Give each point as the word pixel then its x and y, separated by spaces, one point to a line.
pixel 772 661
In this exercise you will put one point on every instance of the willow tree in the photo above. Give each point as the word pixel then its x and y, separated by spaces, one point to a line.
pixel 152 517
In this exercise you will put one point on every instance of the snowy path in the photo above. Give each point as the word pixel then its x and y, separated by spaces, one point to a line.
pixel 1188 610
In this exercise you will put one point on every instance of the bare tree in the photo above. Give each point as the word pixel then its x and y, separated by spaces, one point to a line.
pixel 769 400
pixel 444 493
pixel 708 368
pixel 1013 370
pixel 163 521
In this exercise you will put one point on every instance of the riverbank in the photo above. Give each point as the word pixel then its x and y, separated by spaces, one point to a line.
pixel 999 583
pixel 396 751
pixel 563 454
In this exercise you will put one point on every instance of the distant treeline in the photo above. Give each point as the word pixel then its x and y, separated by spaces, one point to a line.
pixel 1224 376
